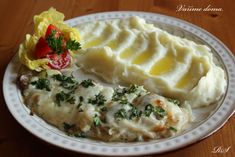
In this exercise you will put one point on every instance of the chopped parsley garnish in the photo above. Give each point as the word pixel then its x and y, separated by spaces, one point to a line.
pixel 55 43
pixel 67 126
pixel 63 78
pixel 87 83
pixel 69 87
pixel 80 101
pixel 98 100
pixel 62 97
pixel 79 105
pixel 158 111
pixel 42 83
pixel 121 114
pixel 67 82
pixel 96 120
pixel 120 94
pixel 123 100
pixel 174 101
pixel 132 89
pixel 172 129
pixel 134 112
pixel 81 98
pixel 73 45
pixel 71 100
pixel 148 110
pixel 128 114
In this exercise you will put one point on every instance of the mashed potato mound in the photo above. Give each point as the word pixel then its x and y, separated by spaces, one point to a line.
pixel 131 51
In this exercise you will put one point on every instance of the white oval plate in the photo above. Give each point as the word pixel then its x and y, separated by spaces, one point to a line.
pixel 209 125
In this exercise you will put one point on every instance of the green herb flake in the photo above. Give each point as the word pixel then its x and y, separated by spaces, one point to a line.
pixel 132 89
pixel 118 95
pixel 73 45
pixel 174 101
pixel 62 96
pixel 134 112
pixel 71 100
pixel 42 83
pixel 55 43
pixel 96 120
pixel 81 98
pixel 98 100
pixel 80 103
pixel 58 45
pixel 87 83
pixel 172 129
pixel 148 110
pixel 123 100
pixel 66 82
pixel 159 112
pixel 121 114
pixel 63 78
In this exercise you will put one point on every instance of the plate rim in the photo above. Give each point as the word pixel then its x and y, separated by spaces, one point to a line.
pixel 126 153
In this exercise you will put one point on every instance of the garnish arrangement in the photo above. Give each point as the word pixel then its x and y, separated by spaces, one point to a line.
pixel 56 48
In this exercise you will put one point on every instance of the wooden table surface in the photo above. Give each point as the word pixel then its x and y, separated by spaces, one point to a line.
pixel 17 19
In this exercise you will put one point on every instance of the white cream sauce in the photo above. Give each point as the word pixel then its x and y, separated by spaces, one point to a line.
pixel 79 115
